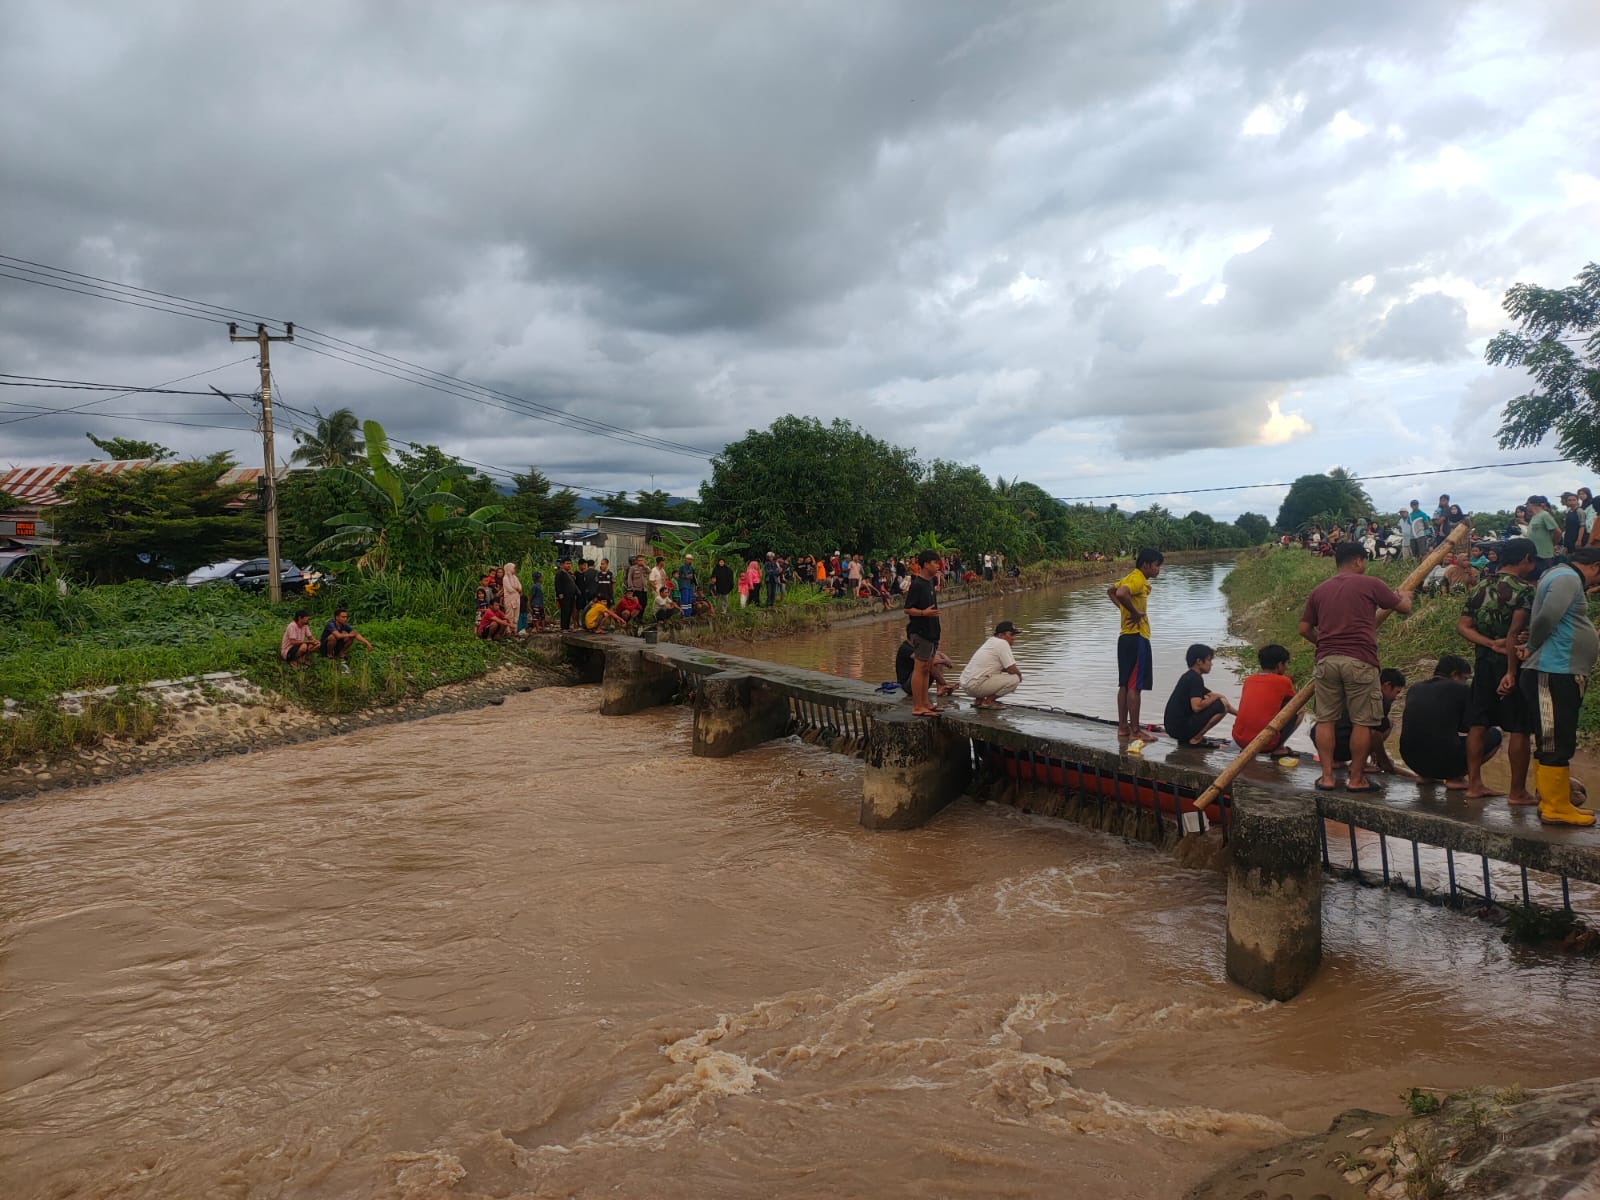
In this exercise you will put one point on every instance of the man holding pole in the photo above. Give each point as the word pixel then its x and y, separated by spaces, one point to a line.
pixel 1340 619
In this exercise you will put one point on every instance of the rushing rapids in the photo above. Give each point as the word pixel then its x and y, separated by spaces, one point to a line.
pixel 534 951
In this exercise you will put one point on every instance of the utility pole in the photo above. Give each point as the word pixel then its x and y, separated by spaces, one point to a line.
pixel 269 476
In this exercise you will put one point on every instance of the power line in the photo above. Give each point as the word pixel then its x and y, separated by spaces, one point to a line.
pixel 100 288
pixel 1242 487
pixel 45 381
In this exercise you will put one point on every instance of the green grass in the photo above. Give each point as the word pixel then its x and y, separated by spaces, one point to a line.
pixel 1268 588
pixel 130 634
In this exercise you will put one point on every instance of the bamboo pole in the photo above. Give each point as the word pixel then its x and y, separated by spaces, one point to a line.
pixel 1459 536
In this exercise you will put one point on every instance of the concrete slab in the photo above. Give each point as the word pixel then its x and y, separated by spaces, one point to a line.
pixel 1405 809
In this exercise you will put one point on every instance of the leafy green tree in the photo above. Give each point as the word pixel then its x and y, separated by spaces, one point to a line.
pixel 336 441
pixel 801 485
pixel 1253 527
pixel 537 508
pixel 656 503
pixel 1338 495
pixel 9 502
pixel 306 499
pixel 408 521
pixel 158 521
pixel 126 449
pixel 1558 343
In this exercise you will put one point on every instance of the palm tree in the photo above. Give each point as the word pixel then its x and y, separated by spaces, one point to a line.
pixel 334 444
pixel 405 524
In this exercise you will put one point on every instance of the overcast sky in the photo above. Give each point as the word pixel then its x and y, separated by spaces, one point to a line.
pixel 1111 247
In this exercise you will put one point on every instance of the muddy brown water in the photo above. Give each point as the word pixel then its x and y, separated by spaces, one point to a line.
pixel 530 951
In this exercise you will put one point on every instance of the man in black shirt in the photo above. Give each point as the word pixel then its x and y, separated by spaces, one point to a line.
pixel 605 584
pixel 1193 709
pixel 566 592
pixel 587 585
pixel 338 635
pixel 1433 736
pixel 922 630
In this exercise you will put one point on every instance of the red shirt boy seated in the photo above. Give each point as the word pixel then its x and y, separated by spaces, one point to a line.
pixel 1263 696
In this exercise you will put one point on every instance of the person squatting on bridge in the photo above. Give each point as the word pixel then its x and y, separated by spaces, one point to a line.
pixel 1261 698
pixel 1435 735
pixel 992 671
pixel 1131 595
pixel 1556 661
pixel 1340 619
pixel 1193 709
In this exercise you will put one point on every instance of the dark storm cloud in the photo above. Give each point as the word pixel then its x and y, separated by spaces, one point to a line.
pixel 689 218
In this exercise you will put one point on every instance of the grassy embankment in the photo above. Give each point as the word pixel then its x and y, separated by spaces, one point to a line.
pixel 125 635
pixel 1267 590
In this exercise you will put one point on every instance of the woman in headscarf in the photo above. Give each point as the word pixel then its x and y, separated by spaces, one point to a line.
pixel 752 582
pixel 511 596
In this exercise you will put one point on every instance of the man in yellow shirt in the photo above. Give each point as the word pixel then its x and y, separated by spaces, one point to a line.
pixel 1131 595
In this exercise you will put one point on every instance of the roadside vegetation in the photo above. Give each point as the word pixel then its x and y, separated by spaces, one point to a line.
pixel 1268 588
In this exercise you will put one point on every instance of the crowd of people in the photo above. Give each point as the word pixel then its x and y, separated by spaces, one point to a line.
pixel 1534 647
pixel 588 596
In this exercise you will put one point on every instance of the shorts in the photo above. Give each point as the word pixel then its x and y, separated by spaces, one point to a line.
pixel 295 650
pixel 1554 701
pixel 921 648
pixel 1511 713
pixel 1135 668
pixel 1344 686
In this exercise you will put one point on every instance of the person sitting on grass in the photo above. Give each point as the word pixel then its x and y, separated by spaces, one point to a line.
pixel 666 607
pixel 1433 738
pixel 493 625
pixel 298 645
pixel 338 635
pixel 1263 696
pixel 1192 709
pixel 599 615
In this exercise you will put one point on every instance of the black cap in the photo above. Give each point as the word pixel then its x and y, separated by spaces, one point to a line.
pixel 1005 627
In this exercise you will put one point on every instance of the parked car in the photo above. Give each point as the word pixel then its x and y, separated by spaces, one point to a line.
pixel 249 574
pixel 21 565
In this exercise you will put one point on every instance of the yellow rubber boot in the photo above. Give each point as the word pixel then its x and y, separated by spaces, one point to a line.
pixel 1555 798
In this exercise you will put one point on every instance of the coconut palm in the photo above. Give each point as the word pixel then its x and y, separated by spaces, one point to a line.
pixel 334 443
pixel 415 525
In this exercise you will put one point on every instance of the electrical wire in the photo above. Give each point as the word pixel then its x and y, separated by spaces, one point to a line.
pixel 119 393
pixel 331 346
pixel 1242 487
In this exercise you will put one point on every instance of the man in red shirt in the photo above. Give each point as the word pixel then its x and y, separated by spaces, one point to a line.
pixel 1340 618
pixel 1263 696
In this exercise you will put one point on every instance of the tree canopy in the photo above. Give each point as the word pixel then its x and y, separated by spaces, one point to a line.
pixel 125 449
pixel 804 486
pixel 336 441
pixel 151 523
pixel 1254 527
pixel 1557 341
pixel 1336 496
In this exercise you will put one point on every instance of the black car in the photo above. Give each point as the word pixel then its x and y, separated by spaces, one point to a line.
pixel 251 575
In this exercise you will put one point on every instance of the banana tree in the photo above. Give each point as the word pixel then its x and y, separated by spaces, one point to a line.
pixel 401 525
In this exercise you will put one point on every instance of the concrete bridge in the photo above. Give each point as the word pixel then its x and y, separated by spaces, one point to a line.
pixel 1273 822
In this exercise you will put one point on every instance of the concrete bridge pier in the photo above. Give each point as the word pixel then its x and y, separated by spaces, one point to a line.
pixel 915 766
pixel 1274 893
pixel 630 682
pixel 733 711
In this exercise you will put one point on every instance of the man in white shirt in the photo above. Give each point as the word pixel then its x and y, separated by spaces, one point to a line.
pixel 993 671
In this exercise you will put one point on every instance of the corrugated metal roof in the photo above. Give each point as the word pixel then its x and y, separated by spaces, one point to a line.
pixel 36 486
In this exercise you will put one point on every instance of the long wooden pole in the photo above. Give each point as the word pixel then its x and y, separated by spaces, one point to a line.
pixel 1459 535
